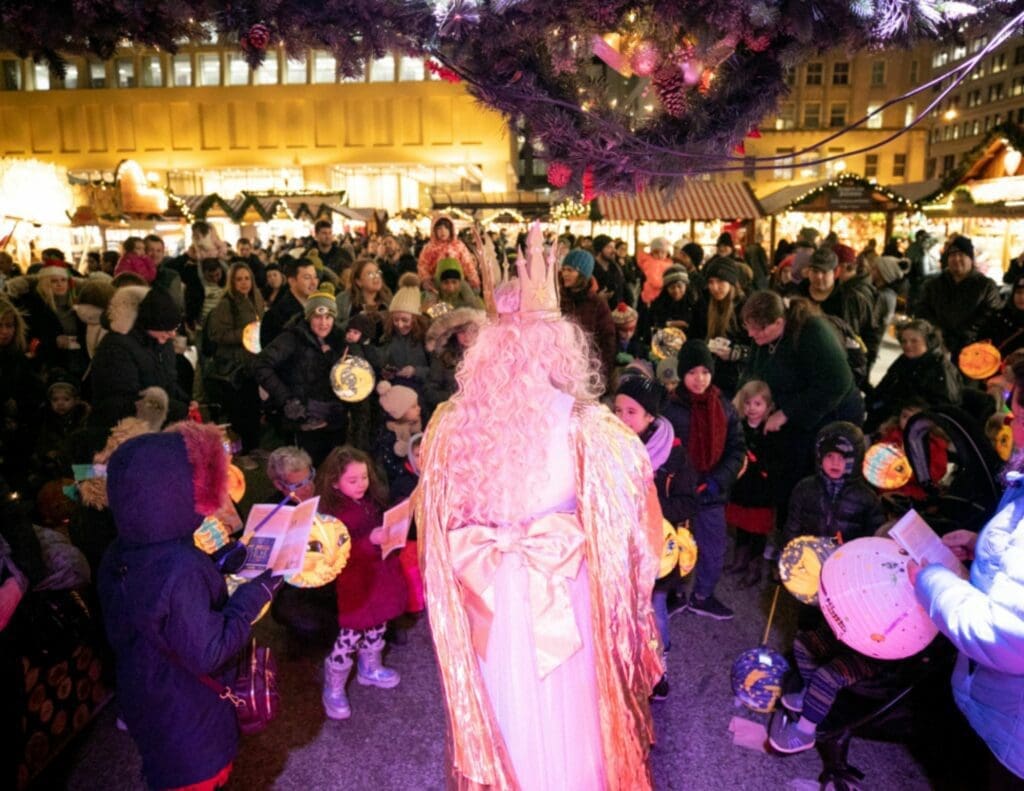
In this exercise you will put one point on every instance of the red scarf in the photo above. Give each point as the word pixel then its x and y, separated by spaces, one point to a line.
pixel 708 427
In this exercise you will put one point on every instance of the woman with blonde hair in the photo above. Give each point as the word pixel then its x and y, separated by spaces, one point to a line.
pixel 539 556
pixel 53 327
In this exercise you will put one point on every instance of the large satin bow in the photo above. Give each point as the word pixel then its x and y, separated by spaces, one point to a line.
pixel 551 549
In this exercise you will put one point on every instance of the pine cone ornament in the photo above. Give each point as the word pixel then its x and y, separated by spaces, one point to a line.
pixel 670 86
pixel 258 36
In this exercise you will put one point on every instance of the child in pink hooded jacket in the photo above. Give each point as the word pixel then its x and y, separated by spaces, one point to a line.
pixel 444 244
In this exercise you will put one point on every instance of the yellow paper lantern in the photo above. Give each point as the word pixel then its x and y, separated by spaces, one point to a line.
pixel 980 360
pixel 326 553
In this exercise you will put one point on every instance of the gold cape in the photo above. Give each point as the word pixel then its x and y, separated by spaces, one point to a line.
pixel 623 544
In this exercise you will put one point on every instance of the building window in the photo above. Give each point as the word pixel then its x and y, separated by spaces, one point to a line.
pixel 878 72
pixel 1018 56
pixel 181 67
pixel 975 126
pixel 913 72
pixel 11 74
pixel 995 92
pixel 874 121
pixel 812 115
pixel 955 132
pixel 870 165
pixel 786 119
pixel 783 170
pixel 959 51
pixel 837 115
pixel 238 69
pixel 97 74
pixel 948 163
pixel 988 123
pixel 125 73
pixel 899 165
pixel 815 72
pixel 1017 86
pixel 936 134
pixel 152 75
pixel 266 74
pixel 295 71
pixel 940 58
pixel 978 43
pixel 383 69
pixel 41 76
pixel 999 63
pixel 325 67
pixel 209 69
pixel 750 168
pixel 70 80
pixel 974 98
pixel 929 168
pixel 841 73
pixel 412 70
pixel 909 113
pixel 979 72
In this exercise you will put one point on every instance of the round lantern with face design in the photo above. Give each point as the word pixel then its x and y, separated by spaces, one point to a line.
pixel 326 553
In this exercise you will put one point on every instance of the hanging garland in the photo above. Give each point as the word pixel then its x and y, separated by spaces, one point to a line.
pixel 619 95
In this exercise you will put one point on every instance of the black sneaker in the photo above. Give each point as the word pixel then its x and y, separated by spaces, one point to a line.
pixel 710 608
pixel 660 691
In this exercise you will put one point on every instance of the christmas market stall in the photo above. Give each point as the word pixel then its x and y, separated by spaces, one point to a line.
pixel 36 204
pixel 984 199
pixel 697 210
pixel 855 208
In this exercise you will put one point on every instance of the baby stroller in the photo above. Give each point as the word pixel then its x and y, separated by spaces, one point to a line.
pixel 912 698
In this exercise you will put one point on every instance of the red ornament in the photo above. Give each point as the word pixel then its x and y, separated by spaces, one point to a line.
pixel 589 193
pixel 739 148
pixel 559 174
pixel 645 58
pixel 754 133
pixel 258 36
pixel 443 72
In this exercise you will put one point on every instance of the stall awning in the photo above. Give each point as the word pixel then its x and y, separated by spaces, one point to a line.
pixel 695 200
pixel 782 199
pixel 847 193
pixel 917 191
pixel 526 202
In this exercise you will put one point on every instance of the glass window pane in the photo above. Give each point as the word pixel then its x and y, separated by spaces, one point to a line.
pixel 267 73
pixel 238 69
pixel 209 68
pixel 411 70
pixel 12 75
pixel 295 71
pixel 324 67
pixel 125 73
pixel 97 75
pixel 182 71
pixel 383 69
pixel 42 76
pixel 874 121
pixel 71 76
pixel 360 77
pixel 152 75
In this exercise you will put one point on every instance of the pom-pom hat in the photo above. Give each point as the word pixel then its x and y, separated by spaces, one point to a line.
pixel 408 298
pixel 623 314
pixel 321 302
pixel 396 400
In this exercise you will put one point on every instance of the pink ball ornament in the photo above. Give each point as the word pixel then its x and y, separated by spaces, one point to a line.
pixel 559 174
pixel 645 59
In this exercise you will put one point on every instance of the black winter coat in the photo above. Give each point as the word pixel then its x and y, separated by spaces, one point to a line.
pixel 855 511
pixel 754 488
pixel 676 482
pixel 126 364
pixel 958 309
pixel 931 377
pixel 728 465
pixel 284 309
pixel 1005 329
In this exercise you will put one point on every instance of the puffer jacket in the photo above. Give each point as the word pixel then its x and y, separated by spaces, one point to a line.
pixel 958 309
pixel 851 510
pixel 592 313
pixel 162 598
pixel 931 377
pixel 984 619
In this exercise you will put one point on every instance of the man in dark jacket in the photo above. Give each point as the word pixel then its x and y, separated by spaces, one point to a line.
pixel 167 611
pixel 126 364
pixel 581 303
pixel 959 300
pixel 301 279
pixel 611 280
pixel 335 258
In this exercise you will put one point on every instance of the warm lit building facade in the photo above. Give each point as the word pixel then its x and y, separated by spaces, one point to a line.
pixel 200 121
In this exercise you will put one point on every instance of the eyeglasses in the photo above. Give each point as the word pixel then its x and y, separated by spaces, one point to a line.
pixel 372 274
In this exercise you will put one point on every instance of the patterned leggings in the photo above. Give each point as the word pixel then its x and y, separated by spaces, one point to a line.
pixel 827 667
pixel 352 640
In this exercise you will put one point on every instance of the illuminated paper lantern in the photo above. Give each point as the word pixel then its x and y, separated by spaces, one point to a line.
pixel 251 337
pixel 980 360
pixel 886 466
pixel 326 553
pixel 800 566
pixel 352 379
pixel 869 603
pixel 756 678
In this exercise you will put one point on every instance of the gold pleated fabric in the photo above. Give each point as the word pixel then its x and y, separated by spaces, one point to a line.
pixel 622 547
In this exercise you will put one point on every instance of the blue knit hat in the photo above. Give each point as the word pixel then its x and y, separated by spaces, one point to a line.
pixel 581 261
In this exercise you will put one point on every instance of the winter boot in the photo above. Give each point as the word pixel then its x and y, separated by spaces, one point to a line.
pixel 334 698
pixel 370 670
pixel 752 577
pixel 740 559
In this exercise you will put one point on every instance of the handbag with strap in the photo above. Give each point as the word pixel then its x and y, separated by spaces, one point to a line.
pixel 254 691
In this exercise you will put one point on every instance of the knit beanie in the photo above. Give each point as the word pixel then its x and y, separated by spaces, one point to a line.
pixel 824 260
pixel 141 265
pixel 843 438
pixel 846 254
pixel 364 324
pixel 396 400
pixel 158 312
pixel 407 299
pixel 963 244
pixel 581 261
pixel 694 252
pixel 54 267
pixel 694 353
pixel 675 274
pixel 722 268
pixel 660 243
pixel 600 242
pixel 646 392
pixel 725 239
pixel 322 302
pixel 448 269
pixel 623 314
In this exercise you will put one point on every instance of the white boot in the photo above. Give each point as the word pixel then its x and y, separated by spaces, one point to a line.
pixel 370 670
pixel 334 698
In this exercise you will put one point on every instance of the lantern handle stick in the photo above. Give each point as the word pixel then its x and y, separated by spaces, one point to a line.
pixel 771 615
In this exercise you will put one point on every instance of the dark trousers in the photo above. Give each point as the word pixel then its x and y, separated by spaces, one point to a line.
pixel 709 533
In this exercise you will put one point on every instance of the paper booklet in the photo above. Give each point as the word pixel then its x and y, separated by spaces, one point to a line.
pixel 279 543
pixel 916 537
pixel 395 531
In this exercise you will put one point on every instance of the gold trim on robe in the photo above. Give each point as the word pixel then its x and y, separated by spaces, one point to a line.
pixel 622 547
